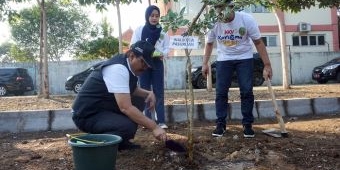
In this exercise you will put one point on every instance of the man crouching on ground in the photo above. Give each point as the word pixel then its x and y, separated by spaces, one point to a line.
pixel 110 102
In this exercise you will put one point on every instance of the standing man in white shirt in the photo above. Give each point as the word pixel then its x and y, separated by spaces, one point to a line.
pixel 235 33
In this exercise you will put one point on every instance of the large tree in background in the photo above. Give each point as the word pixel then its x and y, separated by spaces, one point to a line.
pixel 67 27
pixel 103 47
pixel 100 48
pixel 10 53
pixel 101 5
pixel 6 11
pixel 5 53
pixel 52 28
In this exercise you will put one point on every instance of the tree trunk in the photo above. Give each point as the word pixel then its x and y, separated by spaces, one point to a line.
pixel 40 91
pixel 46 81
pixel 119 27
pixel 190 113
pixel 191 91
pixel 285 71
pixel 43 52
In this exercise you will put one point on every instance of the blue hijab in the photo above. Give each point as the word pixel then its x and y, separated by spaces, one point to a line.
pixel 151 33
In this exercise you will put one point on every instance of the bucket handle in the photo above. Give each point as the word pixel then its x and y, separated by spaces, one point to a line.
pixel 75 136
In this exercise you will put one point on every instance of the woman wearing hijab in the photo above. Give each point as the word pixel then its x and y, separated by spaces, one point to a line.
pixel 153 78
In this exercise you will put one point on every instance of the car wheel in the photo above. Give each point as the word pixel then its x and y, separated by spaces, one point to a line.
pixel 77 87
pixel 201 82
pixel 258 79
pixel 322 81
pixel 3 90
pixel 338 77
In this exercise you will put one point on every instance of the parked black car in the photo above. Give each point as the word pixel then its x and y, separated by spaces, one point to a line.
pixel 76 81
pixel 328 71
pixel 15 80
pixel 199 82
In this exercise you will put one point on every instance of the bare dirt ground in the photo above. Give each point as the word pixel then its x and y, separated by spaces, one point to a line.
pixel 313 142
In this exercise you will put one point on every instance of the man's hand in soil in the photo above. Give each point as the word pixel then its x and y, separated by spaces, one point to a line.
pixel 159 133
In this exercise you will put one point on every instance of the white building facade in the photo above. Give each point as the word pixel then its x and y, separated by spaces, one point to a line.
pixel 311 30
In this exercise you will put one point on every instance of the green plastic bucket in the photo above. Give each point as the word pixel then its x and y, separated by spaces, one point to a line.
pixel 94 151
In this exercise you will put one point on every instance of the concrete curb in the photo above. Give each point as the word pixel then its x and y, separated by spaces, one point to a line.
pixel 52 120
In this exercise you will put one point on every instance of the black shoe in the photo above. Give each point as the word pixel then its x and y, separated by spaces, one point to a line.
pixel 127 145
pixel 248 131
pixel 219 131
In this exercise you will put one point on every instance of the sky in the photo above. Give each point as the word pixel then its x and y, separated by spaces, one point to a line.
pixel 4 32
pixel 131 16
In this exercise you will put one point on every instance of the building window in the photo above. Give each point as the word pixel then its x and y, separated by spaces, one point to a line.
pixel 304 40
pixel 270 40
pixel 308 40
pixel 321 40
pixel 312 40
pixel 296 41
